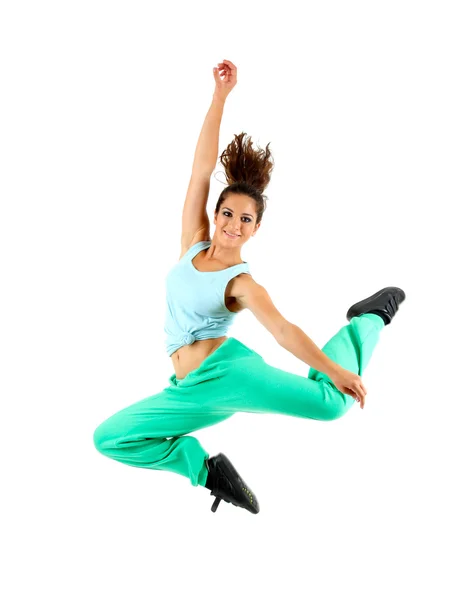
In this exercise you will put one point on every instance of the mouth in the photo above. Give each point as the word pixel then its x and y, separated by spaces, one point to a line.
pixel 230 236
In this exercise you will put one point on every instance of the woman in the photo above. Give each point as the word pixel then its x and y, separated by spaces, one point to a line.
pixel 215 375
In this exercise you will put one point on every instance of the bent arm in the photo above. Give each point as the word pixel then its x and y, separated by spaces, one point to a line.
pixel 294 340
pixel 255 297
pixel 206 152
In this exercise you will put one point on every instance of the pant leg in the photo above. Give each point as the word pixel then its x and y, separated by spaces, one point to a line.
pixel 151 433
pixel 251 385
pixel 232 379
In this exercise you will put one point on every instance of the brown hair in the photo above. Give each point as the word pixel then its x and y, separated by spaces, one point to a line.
pixel 247 172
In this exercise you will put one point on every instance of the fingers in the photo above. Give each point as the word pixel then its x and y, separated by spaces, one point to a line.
pixel 229 64
pixel 360 385
pixel 224 70
pixel 360 393
pixel 227 67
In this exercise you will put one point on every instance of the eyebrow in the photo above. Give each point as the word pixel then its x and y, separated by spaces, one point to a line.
pixel 247 214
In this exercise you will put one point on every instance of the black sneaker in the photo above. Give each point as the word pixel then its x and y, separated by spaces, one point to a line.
pixel 384 303
pixel 226 484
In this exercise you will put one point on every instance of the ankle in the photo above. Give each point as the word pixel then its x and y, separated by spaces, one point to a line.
pixel 208 483
pixel 381 314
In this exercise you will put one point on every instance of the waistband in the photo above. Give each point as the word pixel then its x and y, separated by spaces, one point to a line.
pixel 217 363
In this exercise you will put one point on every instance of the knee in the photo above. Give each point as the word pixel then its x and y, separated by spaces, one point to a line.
pixel 335 404
pixel 98 439
pixel 329 413
pixel 338 411
pixel 342 405
pixel 103 437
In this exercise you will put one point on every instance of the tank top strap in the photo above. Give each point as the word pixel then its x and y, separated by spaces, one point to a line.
pixel 195 249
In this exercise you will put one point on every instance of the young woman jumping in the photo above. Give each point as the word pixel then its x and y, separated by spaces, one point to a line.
pixel 217 376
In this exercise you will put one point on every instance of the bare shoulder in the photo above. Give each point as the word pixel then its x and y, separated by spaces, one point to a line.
pixel 252 295
pixel 244 287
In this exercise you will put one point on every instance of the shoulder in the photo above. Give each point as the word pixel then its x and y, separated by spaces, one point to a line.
pixel 200 236
pixel 244 288
pixel 250 294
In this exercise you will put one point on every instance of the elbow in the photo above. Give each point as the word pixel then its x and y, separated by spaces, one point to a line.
pixel 283 332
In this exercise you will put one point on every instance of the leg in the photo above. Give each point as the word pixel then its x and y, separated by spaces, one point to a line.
pixel 138 435
pixel 232 379
pixel 251 385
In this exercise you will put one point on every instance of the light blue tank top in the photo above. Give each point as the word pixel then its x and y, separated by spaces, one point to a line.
pixel 195 301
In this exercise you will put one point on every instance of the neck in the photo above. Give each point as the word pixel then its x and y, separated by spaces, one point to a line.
pixel 226 255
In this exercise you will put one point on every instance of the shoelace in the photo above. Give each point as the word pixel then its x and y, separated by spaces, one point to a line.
pixel 221 483
pixel 392 306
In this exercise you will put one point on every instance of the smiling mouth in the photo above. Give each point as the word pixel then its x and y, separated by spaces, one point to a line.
pixel 230 235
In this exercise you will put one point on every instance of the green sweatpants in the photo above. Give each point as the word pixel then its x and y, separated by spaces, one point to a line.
pixel 152 432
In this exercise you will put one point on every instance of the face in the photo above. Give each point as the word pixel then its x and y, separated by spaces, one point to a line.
pixel 236 216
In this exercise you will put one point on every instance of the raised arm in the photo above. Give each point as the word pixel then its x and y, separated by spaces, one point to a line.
pixel 195 222
pixel 206 152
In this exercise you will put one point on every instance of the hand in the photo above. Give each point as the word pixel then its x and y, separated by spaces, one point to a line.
pixel 229 72
pixel 351 384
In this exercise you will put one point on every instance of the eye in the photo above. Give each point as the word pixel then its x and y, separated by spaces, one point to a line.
pixel 226 213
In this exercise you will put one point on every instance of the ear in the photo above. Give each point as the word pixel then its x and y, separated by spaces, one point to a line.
pixel 256 228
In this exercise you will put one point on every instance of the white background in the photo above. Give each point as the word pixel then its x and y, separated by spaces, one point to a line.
pixel 369 108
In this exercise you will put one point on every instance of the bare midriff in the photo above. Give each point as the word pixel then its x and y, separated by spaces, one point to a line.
pixel 188 358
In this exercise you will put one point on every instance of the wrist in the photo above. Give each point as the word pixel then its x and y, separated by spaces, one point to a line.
pixel 333 369
pixel 221 98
